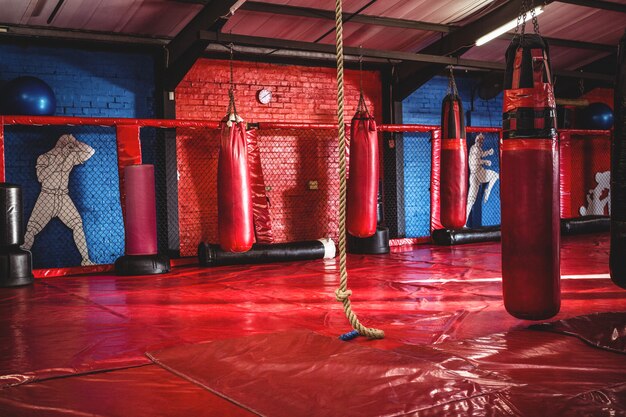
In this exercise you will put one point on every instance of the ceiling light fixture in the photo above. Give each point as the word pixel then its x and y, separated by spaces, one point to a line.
pixel 236 6
pixel 506 27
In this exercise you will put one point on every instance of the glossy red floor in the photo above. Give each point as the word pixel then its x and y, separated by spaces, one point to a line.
pixel 77 346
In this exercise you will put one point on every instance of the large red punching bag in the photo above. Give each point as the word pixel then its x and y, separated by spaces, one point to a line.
pixel 362 192
pixel 453 173
pixel 530 183
pixel 234 194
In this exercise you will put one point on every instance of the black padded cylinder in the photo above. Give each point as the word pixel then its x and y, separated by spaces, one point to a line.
pixel 11 223
pixel 213 255
pixel 617 259
pixel 16 265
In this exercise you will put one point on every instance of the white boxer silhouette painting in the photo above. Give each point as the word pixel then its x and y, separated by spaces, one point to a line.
pixel 479 174
pixel 53 172
pixel 595 201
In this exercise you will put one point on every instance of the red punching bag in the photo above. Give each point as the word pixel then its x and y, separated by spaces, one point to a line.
pixel 453 177
pixel 530 183
pixel 362 192
pixel 234 194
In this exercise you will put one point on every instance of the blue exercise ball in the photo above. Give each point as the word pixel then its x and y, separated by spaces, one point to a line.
pixel 27 96
pixel 598 116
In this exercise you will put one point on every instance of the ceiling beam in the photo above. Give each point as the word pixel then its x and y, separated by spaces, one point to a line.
pixel 271 43
pixel 45 33
pixel 279 9
pixel 598 4
pixel 187 47
pixel 413 75
pixel 254 6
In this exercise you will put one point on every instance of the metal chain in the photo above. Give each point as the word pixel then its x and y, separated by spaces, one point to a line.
pixel 232 109
pixel 362 106
pixel 452 89
pixel 534 17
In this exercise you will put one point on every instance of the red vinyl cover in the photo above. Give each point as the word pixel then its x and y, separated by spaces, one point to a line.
pixel 234 202
pixel 435 175
pixel 453 184
pixel 128 152
pixel 362 190
pixel 565 176
pixel 530 227
pixel 140 220
pixel 454 169
pixel 260 201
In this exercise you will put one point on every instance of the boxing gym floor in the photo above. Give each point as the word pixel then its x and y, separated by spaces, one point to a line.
pixel 248 340
pixel 445 140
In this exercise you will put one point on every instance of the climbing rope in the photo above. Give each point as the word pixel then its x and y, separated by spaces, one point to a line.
pixel 343 293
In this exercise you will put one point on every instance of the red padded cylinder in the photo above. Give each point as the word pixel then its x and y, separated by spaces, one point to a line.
pixel 362 193
pixel 234 193
pixel 140 210
pixel 530 227
pixel 529 175
pixel 454 169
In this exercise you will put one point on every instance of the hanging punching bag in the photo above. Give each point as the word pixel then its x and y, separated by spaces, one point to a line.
pixel 617 259
pixel 362 192
pixel 453 177
pixel 234 195
pixel 530 183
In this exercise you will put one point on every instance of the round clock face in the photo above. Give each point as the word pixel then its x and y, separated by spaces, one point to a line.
pixel 264 96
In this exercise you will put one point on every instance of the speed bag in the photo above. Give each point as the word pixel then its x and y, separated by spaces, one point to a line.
pixel 234 194
pixel 362 193
pixel 453 172
pixel 529 183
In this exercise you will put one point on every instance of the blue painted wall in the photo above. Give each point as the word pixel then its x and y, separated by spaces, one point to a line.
pixel 424 107
pixel 86 83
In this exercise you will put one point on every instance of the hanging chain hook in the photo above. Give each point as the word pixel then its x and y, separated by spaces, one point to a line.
pixel 452 89
pixel 232 109
pixel 362 106
pixel 534 17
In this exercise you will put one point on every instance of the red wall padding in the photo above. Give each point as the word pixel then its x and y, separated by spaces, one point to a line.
pixel 582 156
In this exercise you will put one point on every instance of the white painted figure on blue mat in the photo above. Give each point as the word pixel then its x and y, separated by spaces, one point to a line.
pixel 479 174
pixel 599 197
pixel 53 172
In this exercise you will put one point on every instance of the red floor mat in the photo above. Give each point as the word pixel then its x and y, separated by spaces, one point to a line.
pixel 299 373
pixel 145 391
pixel 522 372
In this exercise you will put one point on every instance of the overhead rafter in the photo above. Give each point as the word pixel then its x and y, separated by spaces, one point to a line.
pixel 242 40
pixel 254 6
pixel 187 47
pixel 280 9
pixel 413 75
pixel 598 4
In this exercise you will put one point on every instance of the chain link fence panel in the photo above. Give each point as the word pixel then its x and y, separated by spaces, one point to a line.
pixel 69 177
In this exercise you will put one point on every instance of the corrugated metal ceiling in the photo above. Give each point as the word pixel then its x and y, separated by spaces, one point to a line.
pixel 166 18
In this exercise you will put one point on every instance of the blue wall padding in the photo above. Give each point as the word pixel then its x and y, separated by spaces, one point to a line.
pixel 93 187
pixel 424 107
pixel 417 163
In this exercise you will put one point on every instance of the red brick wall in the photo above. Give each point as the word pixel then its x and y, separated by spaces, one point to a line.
pixel 290 158
pixel 299 94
